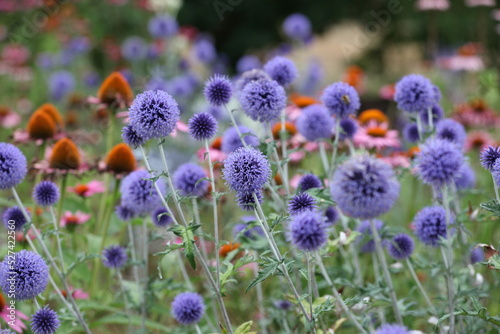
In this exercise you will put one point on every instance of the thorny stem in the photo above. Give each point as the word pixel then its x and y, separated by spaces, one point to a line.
pixel 431 120
pixel 231 116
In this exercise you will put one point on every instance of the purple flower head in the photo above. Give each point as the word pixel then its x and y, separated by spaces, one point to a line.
pixel 218 90
pixel 187 178
pixel 139 194
pixel 247 231
pixel 157 83
pixel 466 178
pixel 124 213
pixel 29 273
pixel 496 172
pixel 332 215
pixel 452 131
pixel 348 128
pixel 13 166
pixel 282 70
pixel 45 321
pixel 217 112
pixel 263 100
pixel 315 123
pixel 438 162
pixel 307 231
pixel 437 114
pixel 61 83
pixel 154 114
pixel 248 63
pixel 6 331
pixel 476 255
pixel 302 202
pixel 231 140
pixel 131 137
pixel 309 181
pixel 341 99
pixel 436 94
pixel 365 240
pixel 401 246
pixel 181 86
pixel 430 225
pixel 202 126
pixel 392 329
pixel 364 187
pixel 246 170
pixel 134 48
pixel 250 76
pixel 410 133
pixel 161 217
pixel 488 157
pixel 297 26
pixel 46 193
pixel 162 26
pixel 114 256
pixel 246 201
pixel 284 305
pixel 14 214
pixel 204 51
pixel 188 308
pixel 414 93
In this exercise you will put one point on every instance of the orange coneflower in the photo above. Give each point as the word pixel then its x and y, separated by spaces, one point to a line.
pixel 353 76
pixel 53 112
pixel 41 126
pixel 121 159
pixel 372 115
pixel 290 128
pixel 65 155
pixel 302 101
pixel 224 250
pixel 115 90
pixel 217 143
pixel 71 118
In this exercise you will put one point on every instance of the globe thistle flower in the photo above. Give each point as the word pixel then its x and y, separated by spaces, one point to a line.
pixel 231 140
pixel 13 166
pixel 188 308
pixel 187 180
pixel 282 70
pixel 124 213
pixel 430 225
pixel 115 90
pixel 44 321
pixel 14 214
pixel 414 93
pixel 246 201
pixel 300 203
pixel 121 159
pixel 341 99
pixel 307 231
pixel 284 305
pixel 247 231
pixel 202 126
pixel 248 63
pixel 401 246
pixel 218 90
pixel 65 155
pixel 437 113
pixel 476 255
pixel 410 133
pixel 348 128
pixel 161 217
pixel 41 126
pixel 488 157
pixel 496 172
pixel 332 215
pixel 61 83
pixel 392 329
pixel 154 114
pixel 263 100
pixel 452 131
pixel 46 193
pixel 315 123
pixel 365 240
pixel 438 162
pixel 134 48
pixel 466 178
pixel 6 331
pixel 114 256
pixel 181 86
pixel 250 76
pixel 139 194
pixel 364 187
pixel 309 181
pixel 297 26
pixel 162 26
pixel 246 170
pixel 131 137
pixel 204 51
pixel 29 273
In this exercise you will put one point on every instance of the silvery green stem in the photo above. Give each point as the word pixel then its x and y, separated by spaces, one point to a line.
pixel 448 261
pixel 352 150
pixel 335 145
pixel 36 303
pixel 260 299
pixel 132 252
pixel 353 252
pixel 58 239
pixel 431 120
pixel 231 116
pixel 198 330
pixel 197 220
pixel 343 305
pixel 145 254
pixel 419 285
pixel 376 271
pixel 385 270
pixel 278 161
pixel 310 278
pixel 125 298
pixel 324 159
pixel 284 152
pixel 497 196
pixel 419 129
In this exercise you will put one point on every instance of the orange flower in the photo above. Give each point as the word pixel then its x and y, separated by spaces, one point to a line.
pixel 278 179
pixel 115 89
pixel 228 248
pixel 413 151
pixel 289 128
pixel 217 143
pixel 372 114
pixel 376 131
pixel 121 159
pixel 41 125
pixel 65 155
pixel 71 118
pixel 302 101
pixel 53 112
pixel 353 76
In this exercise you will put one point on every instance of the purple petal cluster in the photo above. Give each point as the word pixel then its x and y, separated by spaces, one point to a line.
pixel 401 246
pixel 45 321
pixel 231 140
pixel 131 137
pixel 124 213
pixel 248 63
pixel 188 308
pixel 315 123
pixel 139 194
pixel 162 26
pixel 301 202
pixel 415 93
pixel 204 51
pixel 13 166
pixel 476 255
pixel 430 225
pixel 297 26
pixel 218 90
pixel 282 70
pixel 114 256
pixel 307 231
pixel 250 76
pixel 187 178
pixel 246 201
pixel 437 114
pixel 488 157
pixel 14 214
pixel 410 133
pixel 61 83
pixel 392 329
pixel 332 215
pixel 348 128
pixel 134 48
pixel 365 240
pixel 161 217
pixel 202 126
pixel 341 99
pixel 452 131
pixel 46 193
pixel 309 181
pixel 466 178
pixel 263 100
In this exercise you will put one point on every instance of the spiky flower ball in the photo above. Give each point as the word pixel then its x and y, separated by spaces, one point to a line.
pixel 341 99
pixel 315 123
pixel 187 180
pixel 414 93
pixel 301 203
pixel 250 76
pixel 46 193
pixel 263 100
pixel 430 225
pixel 15 215
pixel 392 329
pixel 309 181
pixel 246 201
pixel 6 331
pixel 489 156
pixel 131 137
pixel 307 231
pixel 154 114
pixel 161 217
pixel 124 213
pixel 476 255
pixel 364 187
pixel 13 166
pixel 282 70
pixel 139 193
pixel 348 128
pixel 231 140
pixel 27 271
pixel 410 133
pixel 401 246
pixel 297 26
pixel 218 90
pixel 45 321
pixel 332 215
pixel 452 131
pixel 202 126
pixel 188 308
pixel 466 178
pixel 437 113
pixel 162 26
pixel 365 240
pixel 114 256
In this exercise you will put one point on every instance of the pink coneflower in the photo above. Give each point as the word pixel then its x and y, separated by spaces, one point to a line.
pixel 8 118
pixel 387 92
pixel 441 5
pixel 478 3
pixel 478 140
pixel 89 189
pixel 377 136
pixel 71 219
pixel 21 237
pixel 5 314
pixel 397 159
pixel 475 114
pixel 76 293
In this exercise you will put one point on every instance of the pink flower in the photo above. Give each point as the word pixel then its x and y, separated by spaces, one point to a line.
pixel 72 219
pixel 294 181
pixel 182 127
pixel 477 3
pixel 21 237
pixel 433 5
pixel 397 159
pixel 215 155
pixel 89 189
pixel 376 136
pixel 8 118
pixel 12 315
pixel 76 293
pixel 477 140
pixel 387 92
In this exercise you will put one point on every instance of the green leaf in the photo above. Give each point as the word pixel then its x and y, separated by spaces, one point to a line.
pixel 187 235
pixel 244 328
pixel 267 270
pixel 479 311
pixel 492 206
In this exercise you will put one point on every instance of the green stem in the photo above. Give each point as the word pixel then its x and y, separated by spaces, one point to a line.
pixel 63 195
pixel 420 286
pixel 310 272
pixel 278 161
pixel 58 238
pixel 284 153
pixel 449 261
pixel 324 159
pixel 335 146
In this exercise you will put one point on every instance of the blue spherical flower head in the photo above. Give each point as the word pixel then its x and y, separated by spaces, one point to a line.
pixel 114 256
pixel 263 100
pixel 61 83
pixel 246 201
pixel 131 137
pixel 410 133
pixel 13 166
pixel 365 240
pixel 250 76
pixel 437 113
pixel 414 93
pixel 248 63
pixel 124 213
pixel 282 70
pixel 401 246
pixel 309 181
pixel 46 193
pixel 439 162
pixel 301 203
pixel 332 215
pixel 204 51
pixel 246 170
pixel 495 171
pixel 430 225
pixel 162 26
pixel 248 232
pixel 231 140
pixel 45 321
pixel 29 273
pixel 202 126
pixel 466 178
pixel 348 128
pixel 154 114
pixel 139 194
pixel 134 48
pixel 392 329
pixel 364 187
pixel 218 90
pixel 341 99
pixel 307 231
pixel 6 331
pixel 188 308
pixel 181 87
pixel 297 26
pixel 187 178
pixel 315 123
pixel 452 131
pixel 488 157
pixel 14 214
pixel 161 217
pixel 476 255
